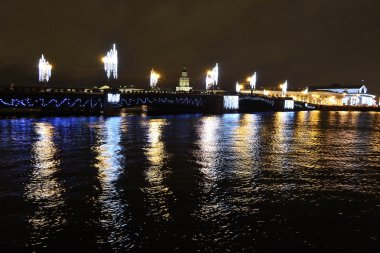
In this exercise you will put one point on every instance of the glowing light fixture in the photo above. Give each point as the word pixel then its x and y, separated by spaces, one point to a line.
pixel 284 88
pixel 231 102
pixel 212 77
pixel 154 76
pixel 252 81
pixel 110 63
pixel 44 70
pixel 238 88
pixel 306 91
pixel 289 104
pixel 266 93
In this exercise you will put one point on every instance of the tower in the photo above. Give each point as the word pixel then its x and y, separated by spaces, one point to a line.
pixel 184 82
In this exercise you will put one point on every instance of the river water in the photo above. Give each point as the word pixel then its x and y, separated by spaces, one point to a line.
pixel 265 182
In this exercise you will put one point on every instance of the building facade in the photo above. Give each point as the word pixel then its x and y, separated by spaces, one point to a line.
pixel 326 95
pixel 184 82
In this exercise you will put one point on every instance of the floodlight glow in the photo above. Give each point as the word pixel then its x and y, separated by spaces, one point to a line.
pixel 212 77
pixel 154 76
pixel 215 72
pixel 284 88
pixel 238 88
pixel 231 102
pixel 44 70
pixel 266 93
pixel 289 104
pixel 252 81
pixel 113 98
pixel 306 91
pixel 110 63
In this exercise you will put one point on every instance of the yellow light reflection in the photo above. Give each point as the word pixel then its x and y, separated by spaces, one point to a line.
pixel 209 148
pixel 44 189
pixel 157 192
pixel 246 146
pixel 208 158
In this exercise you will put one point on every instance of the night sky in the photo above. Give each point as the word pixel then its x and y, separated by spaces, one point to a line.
pixel 317 42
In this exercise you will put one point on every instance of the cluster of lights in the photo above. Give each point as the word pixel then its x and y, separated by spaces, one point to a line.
pixel 93 103
pixel 284 88
pixel 252 81
pixel 113 98
pixel 110 63
pixel 231 102
pixel 44 70
pixel 289 104
pixel 238 87
pixel 212 77
pixel 262 99
pixel 197 102
pixel 65 102
pixel 154 76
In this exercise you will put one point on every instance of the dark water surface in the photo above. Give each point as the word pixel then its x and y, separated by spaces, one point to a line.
pixel 269 182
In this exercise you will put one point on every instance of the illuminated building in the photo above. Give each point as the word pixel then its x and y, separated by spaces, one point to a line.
pixel 324 95
pixel 184 82
pixel 346 95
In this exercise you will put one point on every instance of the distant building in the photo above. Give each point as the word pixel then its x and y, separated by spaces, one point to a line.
pixel 326 95
pixel 349 95
pixel 184 82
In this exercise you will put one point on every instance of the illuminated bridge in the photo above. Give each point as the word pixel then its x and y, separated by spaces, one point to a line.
pixel 76 101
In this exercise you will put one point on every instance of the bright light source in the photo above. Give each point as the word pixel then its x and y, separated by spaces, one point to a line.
pixel 154 76
pixel 110 63
pixel 238 87
pixel 212 77
pixel 44 70
pixel 306 91
pixel 266 93
pixel 231 102
pixel 284 88
pixel 289 104
pixel 252 81
pixel 113 98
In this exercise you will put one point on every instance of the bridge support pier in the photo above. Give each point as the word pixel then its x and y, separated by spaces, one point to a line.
pixel 111 103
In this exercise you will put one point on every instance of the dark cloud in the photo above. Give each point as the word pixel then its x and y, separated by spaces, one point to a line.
pixel 307 42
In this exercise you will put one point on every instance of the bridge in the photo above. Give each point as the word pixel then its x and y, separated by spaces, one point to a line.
pixel 76 101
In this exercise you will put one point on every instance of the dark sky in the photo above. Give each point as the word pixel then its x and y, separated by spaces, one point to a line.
pixel 317 42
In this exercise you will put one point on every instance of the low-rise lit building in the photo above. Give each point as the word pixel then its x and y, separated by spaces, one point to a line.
pixel 326 95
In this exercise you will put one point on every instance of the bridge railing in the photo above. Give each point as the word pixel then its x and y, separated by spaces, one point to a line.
pixel 29 89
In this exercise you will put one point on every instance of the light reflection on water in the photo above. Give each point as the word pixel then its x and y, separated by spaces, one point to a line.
pixel 207 157
pixel 234 182
pixel 44 190
pixel 247 154
pixel 157 192
pixel 110 162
